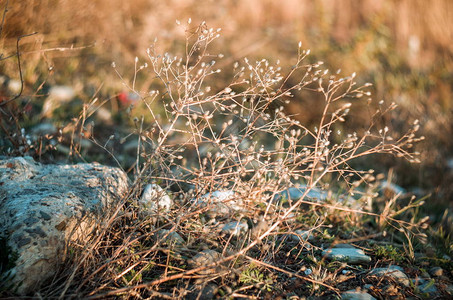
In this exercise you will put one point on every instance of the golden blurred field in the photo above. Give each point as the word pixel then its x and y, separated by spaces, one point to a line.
pixel 403 47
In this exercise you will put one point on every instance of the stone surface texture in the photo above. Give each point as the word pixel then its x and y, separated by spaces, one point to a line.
pixel 204 258
pixel 154 200
pixel 235 228
pixel 347 254
pixel 394 272
pixel 219 203
pixel 356 295
pixel 45 207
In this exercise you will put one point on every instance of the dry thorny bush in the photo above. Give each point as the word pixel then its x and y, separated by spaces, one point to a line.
pixel 196 140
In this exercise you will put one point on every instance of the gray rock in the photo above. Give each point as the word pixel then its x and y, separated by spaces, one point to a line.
pixel 349 255
pixel 344 246
pixel 428 287
pixel 356 295
pixel 43 208
pixel 206 292
pixel 219 203
pixel 205 258
pixel 154 199
pixel 301 235
pixel 235 228
pixel 43 129
pixel 295 194
pixel 170 237
pixel 394 272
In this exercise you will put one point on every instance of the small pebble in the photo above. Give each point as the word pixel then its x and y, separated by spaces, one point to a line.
pixel 436 271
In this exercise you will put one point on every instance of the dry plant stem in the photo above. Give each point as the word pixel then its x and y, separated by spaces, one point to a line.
pixel 240 253
pixel 89 250
pixel 19 67
pixel 243 296
pixel 60 49
pixel 231 257
pixel 271 170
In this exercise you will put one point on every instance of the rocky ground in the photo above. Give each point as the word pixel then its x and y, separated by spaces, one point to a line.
pixel 164 246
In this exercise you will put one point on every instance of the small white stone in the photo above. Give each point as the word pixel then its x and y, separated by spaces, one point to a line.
pixel 104 114
pixel 14 86
pixel 235 228
pixel 154 199
pixel 436 271
pixel 61 93
pixel 57 96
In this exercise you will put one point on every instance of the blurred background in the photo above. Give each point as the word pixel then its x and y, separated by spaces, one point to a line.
pixel 403 47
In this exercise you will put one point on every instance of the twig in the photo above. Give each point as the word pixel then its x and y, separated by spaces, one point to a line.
pixel 20 69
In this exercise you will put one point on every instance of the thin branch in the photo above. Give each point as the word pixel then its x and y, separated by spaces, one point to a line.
pixel 20 70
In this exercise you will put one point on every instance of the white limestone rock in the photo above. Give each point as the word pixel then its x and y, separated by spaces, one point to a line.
pixel 43 208
pixel 154 199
